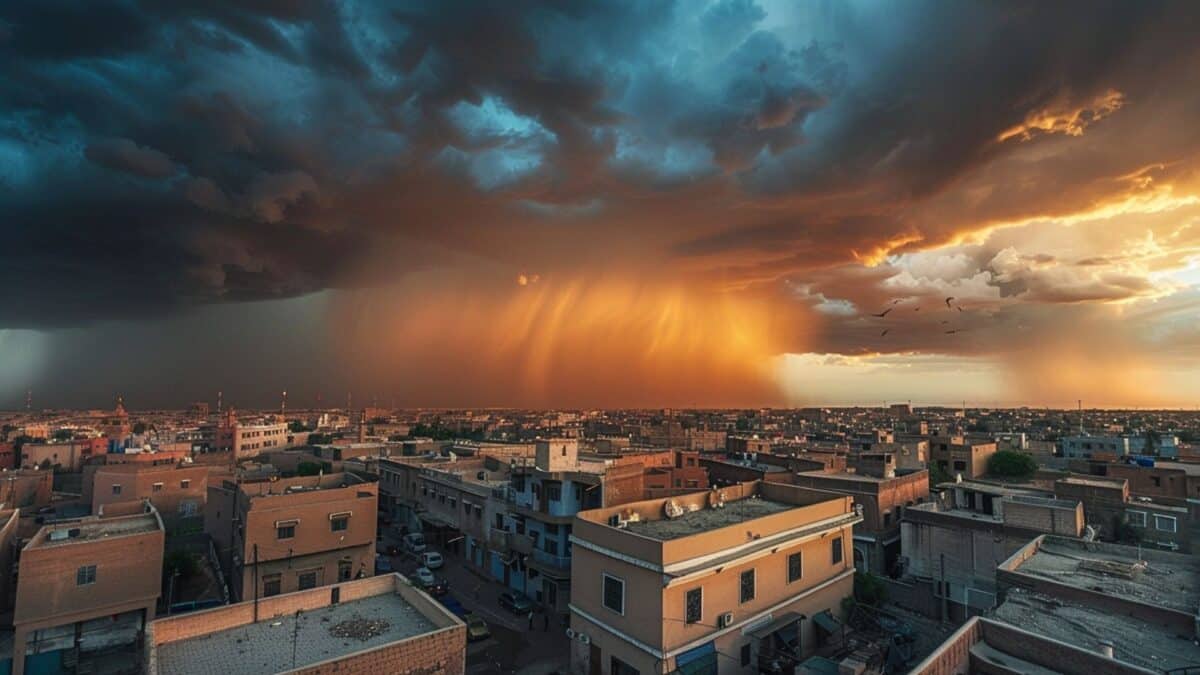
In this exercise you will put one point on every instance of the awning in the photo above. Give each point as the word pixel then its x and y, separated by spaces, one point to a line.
pixel 700 660
pixel 436 520
pixel 775 626
pixel 826 622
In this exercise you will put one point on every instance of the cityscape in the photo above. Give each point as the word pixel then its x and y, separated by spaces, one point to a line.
pixel 599 337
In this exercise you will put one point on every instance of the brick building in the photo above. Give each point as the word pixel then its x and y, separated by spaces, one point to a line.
pixel 302 633
pixel 86 590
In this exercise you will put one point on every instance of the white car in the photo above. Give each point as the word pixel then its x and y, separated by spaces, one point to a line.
pixel 432 559
pixel 424 576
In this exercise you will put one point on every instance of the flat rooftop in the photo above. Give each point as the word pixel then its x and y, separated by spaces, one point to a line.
pixel 1167 580
pixel 1134 641
pixel 267 646
pixel 694 522
pixel 1111 483
pixel 1192 469
pixel 94 529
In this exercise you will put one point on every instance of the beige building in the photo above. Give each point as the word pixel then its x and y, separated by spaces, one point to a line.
pixel 86 590
pixel 177 493
pixel 293 534
pixel 734 579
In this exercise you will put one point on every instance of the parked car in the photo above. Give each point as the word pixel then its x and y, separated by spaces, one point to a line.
pixel 414 542
pixel 516 602
pixel 382 565
pixel 432 559
pixel 477 628
pixel 423 576
pixel 455 607
pixel 426 580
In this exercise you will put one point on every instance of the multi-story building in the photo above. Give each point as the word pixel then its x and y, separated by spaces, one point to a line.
pixel 884 496
pixel 957 456
pixel 293 534
pixel 68 455
pixel 247 438
pixel 178 493
pixel 952 545
pixel 1087 447
pixel 86 589
pixel 400 630
pixel 732 580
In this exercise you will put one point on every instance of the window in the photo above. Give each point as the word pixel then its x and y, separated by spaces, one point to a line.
pixel 1156 481
pixel 747 586
pixel 1164 523
pixel 614 594
pixel 887 518
pixel 307 580
pixel 116 489
pixel 553 493
pixel 85 575
pixel 836 545
pixel 185 484
pixel 344 570
pixel 746 654
pixel 795 567
pixel 339 524
pixel 550 546
pixel 693 606
pixel 285 531
pixel 1136 518
pixel 960 465
pixel 157 487
pixel 271 585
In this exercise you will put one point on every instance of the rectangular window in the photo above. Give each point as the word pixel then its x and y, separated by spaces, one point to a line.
pixel 694 605
pixel 272 585
pixel 285 532
pixel 746 592
pixel 960 465
pixel 553 493
pixel 1156 481
pixel 887 519
pixel 307 580
pixel 345 568
pixel 157 487
pixel 185 484
pixel 614 594
pixel 1136 518
pixel 116 489
pixel 339 524
pixel 746 654
pixel 836 546
pixel 795 565
pixel 1164 523
pixel 85 575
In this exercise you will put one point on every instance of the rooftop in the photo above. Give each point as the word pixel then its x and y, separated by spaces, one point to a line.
pixel 290 642
pixel 1189 468
pixel 694 522
pixel 1134 641
pixel 94 528
pixel 1169 580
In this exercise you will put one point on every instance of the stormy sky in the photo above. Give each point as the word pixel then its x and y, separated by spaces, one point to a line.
pixel 600 203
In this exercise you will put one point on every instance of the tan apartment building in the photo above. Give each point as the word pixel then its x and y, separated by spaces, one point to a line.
pixel 958 456
pixel 86 589
pixel 293 534
pixel 729 580
pixel 178 493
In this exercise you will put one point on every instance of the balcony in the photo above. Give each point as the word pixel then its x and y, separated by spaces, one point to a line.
pixel 499 540
pixel 558 562
pixel 520 543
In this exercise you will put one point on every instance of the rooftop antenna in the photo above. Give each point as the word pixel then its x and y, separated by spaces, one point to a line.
pixel 28 400
pixel 1080 417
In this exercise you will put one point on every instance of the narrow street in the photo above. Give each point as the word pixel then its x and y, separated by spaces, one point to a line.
pixel 514 648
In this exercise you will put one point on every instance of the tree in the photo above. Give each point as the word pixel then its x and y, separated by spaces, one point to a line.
pixel 937 475
pixel 308 468
pixel 296 426
pixel 868 589
pixel 1012 464
pixel 1152 441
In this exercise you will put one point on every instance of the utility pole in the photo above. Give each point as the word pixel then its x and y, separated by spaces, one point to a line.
pixel 295 636
pixel 256 583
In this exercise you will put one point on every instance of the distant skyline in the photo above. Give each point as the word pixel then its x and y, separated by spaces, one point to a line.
pixel 730 203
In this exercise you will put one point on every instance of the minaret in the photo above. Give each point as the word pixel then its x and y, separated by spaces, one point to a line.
pixel 283 403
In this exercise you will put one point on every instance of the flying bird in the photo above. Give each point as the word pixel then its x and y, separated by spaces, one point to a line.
pixel 885 332
pixel 948 301
pixel 882 314
pixel 958 307
pixel 956 330
pixel 916 309
pixel 945 322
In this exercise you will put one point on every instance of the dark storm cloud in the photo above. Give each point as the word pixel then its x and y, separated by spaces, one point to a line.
pixel 156 155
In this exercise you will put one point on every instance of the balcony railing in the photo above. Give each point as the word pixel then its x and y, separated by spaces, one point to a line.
pixel 551 560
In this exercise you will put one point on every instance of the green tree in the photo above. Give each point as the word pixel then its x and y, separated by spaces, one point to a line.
pixel 1011 464
pixel 308 468
pixel 296 426
pixel 868 589
pixel 937 475
pixel 1151 441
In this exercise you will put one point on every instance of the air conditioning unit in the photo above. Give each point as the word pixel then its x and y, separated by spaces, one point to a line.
pixel 725 620
pixel 570 633
pixel 585 639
